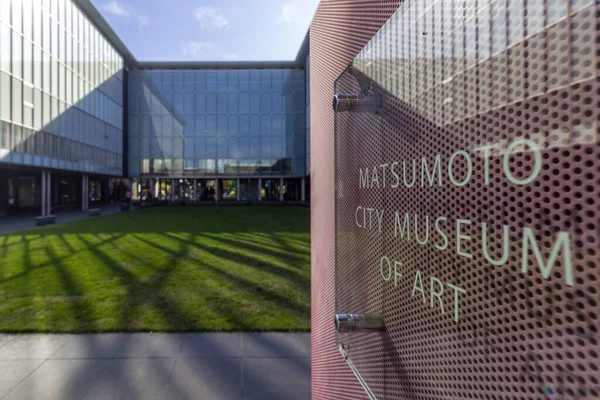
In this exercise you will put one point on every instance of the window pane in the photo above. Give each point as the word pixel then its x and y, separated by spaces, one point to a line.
pixel 17 16
pixel 4 135
pixel 28 62
pixel 222 103
pixel 17 56
pixel 17 103
pixel 5 100
pixel 27 18
pixel 5 41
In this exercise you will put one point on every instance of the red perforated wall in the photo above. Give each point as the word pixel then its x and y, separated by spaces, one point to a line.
pixel 339 30
pixel 520 76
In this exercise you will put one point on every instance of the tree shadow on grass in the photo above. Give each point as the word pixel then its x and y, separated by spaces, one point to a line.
pixel 266 294
pixel 136 294
pixel 29 267
pixel 246 260
pixel 140 293
pixel 292 257
pixel 285 242
pixel 242 283
pixel 80 312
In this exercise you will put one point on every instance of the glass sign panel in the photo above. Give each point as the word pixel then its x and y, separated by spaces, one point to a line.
pixel 467 167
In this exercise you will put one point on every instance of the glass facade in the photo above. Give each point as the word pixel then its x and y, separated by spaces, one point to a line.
pixel 193 134
pixel 228 123
pixel 61 89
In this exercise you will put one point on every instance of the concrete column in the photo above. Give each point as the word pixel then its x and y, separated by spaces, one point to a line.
pixel 87 192
pixel 48 193
pixel 238 192
pixel 217 190
pixel 194 191
pixel 44 192
pixel 83 193
pixel 259 189
pixel 172 189
pixel 280 189
pixel 303 190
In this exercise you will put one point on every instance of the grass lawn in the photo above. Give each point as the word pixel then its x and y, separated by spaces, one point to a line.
pixel 211 268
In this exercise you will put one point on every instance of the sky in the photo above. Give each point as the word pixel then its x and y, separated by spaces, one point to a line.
pixel 210 30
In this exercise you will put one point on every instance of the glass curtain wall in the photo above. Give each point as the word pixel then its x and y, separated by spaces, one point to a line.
pixel 61 89
pixel 270 189
pixel 229 123
pixel 205 190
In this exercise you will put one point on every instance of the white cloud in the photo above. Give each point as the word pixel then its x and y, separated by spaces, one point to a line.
pixel 290 12
pixel 116 8
pixel 120 10
pixel 197 49
pixel 143 21
pixel 208 51
pixel 286 14
pixel 210 16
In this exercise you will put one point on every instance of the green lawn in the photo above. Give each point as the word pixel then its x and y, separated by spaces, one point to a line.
pixel 211 268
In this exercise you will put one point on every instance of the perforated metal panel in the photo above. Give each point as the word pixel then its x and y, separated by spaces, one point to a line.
pixel 487 182
pixel 339 30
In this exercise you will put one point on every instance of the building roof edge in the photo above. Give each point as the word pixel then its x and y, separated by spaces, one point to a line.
pixel 218 65
pixel 98 20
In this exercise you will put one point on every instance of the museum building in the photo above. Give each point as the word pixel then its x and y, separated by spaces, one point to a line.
pixel 82 121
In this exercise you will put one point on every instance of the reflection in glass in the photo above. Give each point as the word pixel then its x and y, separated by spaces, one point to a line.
pixel 205 190
pixel 184 190
pixel 270 189
pixel 292 190
pixel 227 122
pixel 164 189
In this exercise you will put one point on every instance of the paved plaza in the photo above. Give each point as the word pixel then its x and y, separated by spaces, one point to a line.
pixel 10 225
pixel 155 366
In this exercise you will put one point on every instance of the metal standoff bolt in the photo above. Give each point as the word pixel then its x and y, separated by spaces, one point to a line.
pixel 346 323
pixel 354 102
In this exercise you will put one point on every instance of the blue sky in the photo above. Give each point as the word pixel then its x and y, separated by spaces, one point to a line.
pixel 210 30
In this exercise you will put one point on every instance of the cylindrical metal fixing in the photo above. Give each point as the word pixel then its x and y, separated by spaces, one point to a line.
pixel 353 102
pixel 346 323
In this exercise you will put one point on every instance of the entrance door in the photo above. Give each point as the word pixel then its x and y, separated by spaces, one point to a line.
pixel 164 189
pixel 27 194
pixel 244 195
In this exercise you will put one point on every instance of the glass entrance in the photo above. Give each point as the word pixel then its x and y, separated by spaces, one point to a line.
pixel 253 189
pixel 205 190
pixel 164 189
pixel 270 189
pixel 27 193
pixel 244 195
pixel 184 190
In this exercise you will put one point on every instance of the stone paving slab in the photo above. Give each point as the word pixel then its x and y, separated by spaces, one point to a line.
pixel 275 344
pixel 33 347
pixel 13 372
pixel 106 345
pixel 276 378
pixel 59 379
pixel 133 379
pixel 209 378
pixel 158 345
pixel 155 366
pixel 212 345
